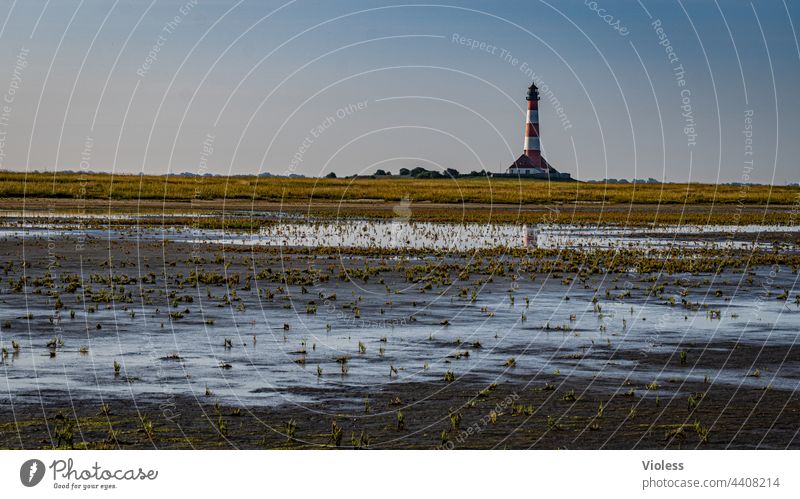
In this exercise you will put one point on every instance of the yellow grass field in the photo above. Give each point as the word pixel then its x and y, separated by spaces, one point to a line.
pixel 486 191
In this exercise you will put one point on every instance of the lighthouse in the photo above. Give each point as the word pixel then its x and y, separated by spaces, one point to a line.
pixel 531 163
pixel 532 148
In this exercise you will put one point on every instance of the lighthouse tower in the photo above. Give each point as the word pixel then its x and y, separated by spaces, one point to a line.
pixel 531 163
pixel 532 149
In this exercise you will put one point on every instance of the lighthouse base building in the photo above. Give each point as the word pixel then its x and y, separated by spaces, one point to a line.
pixel 532 164
pixel 524 166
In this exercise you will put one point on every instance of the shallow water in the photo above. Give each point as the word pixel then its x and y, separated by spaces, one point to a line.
pixel 432 236
pixel 562 331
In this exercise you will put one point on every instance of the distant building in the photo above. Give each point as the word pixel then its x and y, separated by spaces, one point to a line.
pixel 532 163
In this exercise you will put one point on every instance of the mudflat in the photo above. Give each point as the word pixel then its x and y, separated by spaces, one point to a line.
pixel 143 342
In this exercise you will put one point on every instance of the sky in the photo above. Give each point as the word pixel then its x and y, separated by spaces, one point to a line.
pixel 690 90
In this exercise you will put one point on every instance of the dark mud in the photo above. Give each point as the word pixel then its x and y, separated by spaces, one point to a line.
pixel 511 415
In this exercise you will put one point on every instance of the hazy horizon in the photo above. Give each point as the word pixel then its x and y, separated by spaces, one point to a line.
pixel 676 91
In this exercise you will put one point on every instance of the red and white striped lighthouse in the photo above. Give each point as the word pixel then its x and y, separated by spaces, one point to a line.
pixel 532 147
pixel 531 163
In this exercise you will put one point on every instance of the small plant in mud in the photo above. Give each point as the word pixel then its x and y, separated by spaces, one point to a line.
pixel 682 357
pixel 693 400
pixel 362 442
pixel 147 427
pixel 444 438
pixel 449 376
pixel 600 409
pixel 756 373
pixel 455 421
pixel 401 420
pixel 569 396
pixel 486 391
pixel 222 426
pixel 678 433
pixel 551 423
pixel 291 426
pixel 701 431
pixel 105 410
pixel 511 362
pixel 362 348
pixel 112 436
pixel 336 434
pixel 117 368
pixel 319 372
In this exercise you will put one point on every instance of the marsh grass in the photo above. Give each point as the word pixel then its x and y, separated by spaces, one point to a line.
pixel 473 190
pixel 64 432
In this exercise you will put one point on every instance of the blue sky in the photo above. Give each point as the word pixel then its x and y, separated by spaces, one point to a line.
pixel 311 86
